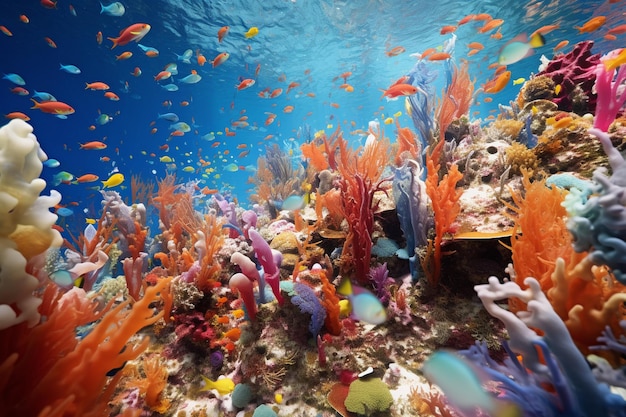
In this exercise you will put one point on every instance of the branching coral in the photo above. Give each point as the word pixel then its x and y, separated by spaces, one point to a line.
pixel 609 88
pixel 444 197
pixel 47 371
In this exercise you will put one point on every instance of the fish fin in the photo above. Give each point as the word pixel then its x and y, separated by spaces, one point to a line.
pixel 345 287
pixel 537 40
pixel 36 104
pixel 114 40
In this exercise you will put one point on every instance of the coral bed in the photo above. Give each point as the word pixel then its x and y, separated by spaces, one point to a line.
pixel 226 311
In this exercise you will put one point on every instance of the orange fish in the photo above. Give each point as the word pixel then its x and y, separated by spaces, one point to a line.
pixel 6 31
pixel 473 52
pixel 20 91
pixel 134 32
pixel 105 159
pixel 93 145
pixel 490 25
pixel 243 154
pixel 592 24
pixel 24 18
pixel 123 55
pixel 560 45
pixel 247 83
pixel 276 93
pixel 447 29
pixel 617 30
pixel 99 38
pixel 475 45
pixel 49 4
pixel 17 115
pixel 229 132
pixel 111 96
pixel 269 120
pixel 610 37
pixel 291 86
pixel 136 72
pixel 334 105
pixel 87 178
pixel 184 103
pixel 96 86
pixel 200 59
pixel 208 191
pixel 242 146
pixel 50 42
pixel 398 90
pixel 288 109
pixel 545 29
pixel 497 84
pixel 53 107
pixel 163 75
pixel 497 35
pixel 427 52
pixel 152 54
pixel 222 32
pixel 257 70
pixel 395 51
pixel 482 16
pixel 220 59
pixel 438 56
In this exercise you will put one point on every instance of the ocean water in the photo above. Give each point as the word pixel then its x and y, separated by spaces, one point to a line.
pixel 311 43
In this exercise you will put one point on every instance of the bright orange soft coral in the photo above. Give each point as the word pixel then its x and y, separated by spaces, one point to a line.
pixel 47 371
pixel 444 197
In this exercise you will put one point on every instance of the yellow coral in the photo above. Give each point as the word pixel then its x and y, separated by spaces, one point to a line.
pixel 508 127
pixel 519 156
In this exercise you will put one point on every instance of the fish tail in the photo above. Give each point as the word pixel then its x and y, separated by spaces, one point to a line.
pixel 114 40
pixel 35 104
pixel 537 40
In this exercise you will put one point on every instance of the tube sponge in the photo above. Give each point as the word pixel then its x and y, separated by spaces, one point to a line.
pixel 25 221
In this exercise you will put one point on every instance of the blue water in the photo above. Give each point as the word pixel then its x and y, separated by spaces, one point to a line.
pixel 308 42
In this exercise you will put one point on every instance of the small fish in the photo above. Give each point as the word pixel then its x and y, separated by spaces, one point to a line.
pixel 123 56
pixel 560 45
pixel 222 385
pixel 248 82
pixel 17 115
pixel 20 91
pixel 220 59
pixel 592 25
pixel 613 60
pixel 50 42
pixel 252 32
pixel 185 57
pixel 438 56
pixel 114 9
pixel 181 126
pixel 14 78
pixel 395 51
pixel 447 29
pixel 103 119
pixel 222 33
pixel 192 78
pixel 170 87
pixel 111 96
pixel 43 96
pixel 557 89
pixel 232 167
pixel 134 32
pixel 166 159
pixel 113 181
pixel 24 18
pixel 48 4
pixel 6 31
pixel 496 85
pixel 490 25
pixel 136 72
pixel 62 177
pixel 52 163
pixel 72 10
pixel 53 107
pixel 520 80
pixel 398 90
pixel 170 117
pixel 96 86
pixel 519 48
pixel 93 145
pixel 463 388
pixel 86 178
pixel 70 69
pixel 99 38
pixel 366 307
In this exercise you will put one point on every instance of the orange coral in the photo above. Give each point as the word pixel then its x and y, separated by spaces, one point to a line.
pixel 211 244
pixel 407 143
pixel 47 371
pixel 315 154
pixel 140 191
pixel 152 385
pixel 330 301
pixel 444 197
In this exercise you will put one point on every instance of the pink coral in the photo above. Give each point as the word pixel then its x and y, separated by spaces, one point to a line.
pixel 610 95
pixel 572 70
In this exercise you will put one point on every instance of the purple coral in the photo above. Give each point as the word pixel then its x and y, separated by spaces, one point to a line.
pixel 572 70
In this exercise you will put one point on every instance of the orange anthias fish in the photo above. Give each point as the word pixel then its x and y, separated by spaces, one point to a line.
pixel 53 107
pixel 438 56
pixel 395 51
pixel 134 32
pixel 96 86
pixel 93 145
pixel 592 24
pixel 17 115
pixel 398 90
pixel 247 83
pixel 490 25
pixel 87 178
pixel 222 32
pixel 496 85
pixel 220 59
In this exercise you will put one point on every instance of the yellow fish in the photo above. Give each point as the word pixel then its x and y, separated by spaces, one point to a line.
pixel 90 221
pixel 388 121
pixel 557 89
pixel 223 385
pixel 616 61
pixel 519 81
pixel 397 114
pixel 166 159
pixel 252 32
pixel 189 169
pixel 113 181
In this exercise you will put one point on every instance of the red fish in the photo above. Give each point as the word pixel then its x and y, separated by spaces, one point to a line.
pixel 49 4
pixel 17 115
pixel 93 145
pixel 220 59
pixel 398 90
pixel 134 32
pixel 53 107
pixel 222 32
pixel 247 83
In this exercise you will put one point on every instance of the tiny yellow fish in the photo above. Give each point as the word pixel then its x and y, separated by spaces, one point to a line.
pixel 90 221
pixel 223 385
pixel 557 89
pixel 113 181
pixel 329 126
pixel 397 114
pixel 344 308
pixel 189 169
pixel 534 110
pixel 166 159
pixel 520 80
pixel 278 398
pixel 252 32
pixel 388 120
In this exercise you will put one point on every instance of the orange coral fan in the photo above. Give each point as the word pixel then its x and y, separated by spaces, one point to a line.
pixel 165 198
pixel 140 191
pixel 330 301
pixel 444 197
pixel 407 143
pixel 315 154
pixel 152 385
pixel 210 242
pixel 137 240
pixel 46 371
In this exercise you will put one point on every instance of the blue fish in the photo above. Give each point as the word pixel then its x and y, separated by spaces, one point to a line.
pixel 170 117
pixel 52 163
pixel 147 49
pixel 293 202
pixel 14 78
pixel 43 96
pixel 185 57
pixel 170 87
pixel 114 9
pixel 62 176
pixel 70 69
pixel 64 212
pixel 366 307
pixel 463 388
pixel 190 79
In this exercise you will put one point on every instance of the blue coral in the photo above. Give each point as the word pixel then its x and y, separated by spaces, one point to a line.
pixel 308 302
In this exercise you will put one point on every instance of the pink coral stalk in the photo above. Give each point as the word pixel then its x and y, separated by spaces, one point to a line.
pixel 244 286
pixel 611 95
